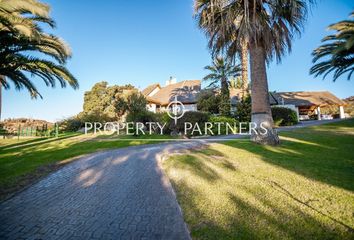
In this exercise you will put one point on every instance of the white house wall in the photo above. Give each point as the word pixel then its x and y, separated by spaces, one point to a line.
pixel 190 107
pixel 151 107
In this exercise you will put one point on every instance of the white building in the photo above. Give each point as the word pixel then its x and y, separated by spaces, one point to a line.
pixel 185 92
pixel 308 103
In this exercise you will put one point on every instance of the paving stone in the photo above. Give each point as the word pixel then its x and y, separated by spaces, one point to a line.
pixel 117 194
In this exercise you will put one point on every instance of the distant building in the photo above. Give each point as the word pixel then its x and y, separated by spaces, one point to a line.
pixel 185 91
pixel 303 103
pixel 236 95
pixel 308 103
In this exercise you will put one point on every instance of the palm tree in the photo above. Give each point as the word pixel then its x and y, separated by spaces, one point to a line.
pixel 269 27
pixel 220 73
pixel 244 64
pixel 12 19
pixel 337 52
pixel 211 18
pixel 21 37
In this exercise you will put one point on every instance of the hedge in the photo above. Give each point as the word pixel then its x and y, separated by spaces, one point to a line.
pixel 283 116
pixel 224 120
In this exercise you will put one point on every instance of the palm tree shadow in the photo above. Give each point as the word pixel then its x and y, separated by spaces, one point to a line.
pixel 197 165
pixel 34 142
pixel 240 224
pixel 316 155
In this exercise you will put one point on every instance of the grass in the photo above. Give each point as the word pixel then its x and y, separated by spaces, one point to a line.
pixel 23 161
pixel 303 189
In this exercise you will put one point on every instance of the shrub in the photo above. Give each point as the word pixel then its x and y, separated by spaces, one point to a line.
pixel 3 131
pixel 72 124
pixel 244 109
pixel 93 117
pixel 190 117
pixel 284 116
pixel 225 120
pixel 141 116
pixel 208 101
pixel 163 119
pixel 224 106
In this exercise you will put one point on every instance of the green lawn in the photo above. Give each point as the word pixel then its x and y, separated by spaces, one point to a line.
pixel 23 161
pixel 303 189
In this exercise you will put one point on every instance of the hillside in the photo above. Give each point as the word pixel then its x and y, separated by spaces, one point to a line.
pixel 11 125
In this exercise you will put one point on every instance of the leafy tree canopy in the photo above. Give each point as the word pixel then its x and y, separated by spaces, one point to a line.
pixel 110 103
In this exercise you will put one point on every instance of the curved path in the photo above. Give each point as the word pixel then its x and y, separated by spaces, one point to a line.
pixel 117 194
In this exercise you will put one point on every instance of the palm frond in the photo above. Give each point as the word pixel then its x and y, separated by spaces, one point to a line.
pixel 336 54
pixel 21 36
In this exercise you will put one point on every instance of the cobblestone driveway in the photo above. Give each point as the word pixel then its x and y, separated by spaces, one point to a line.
pixel 119 194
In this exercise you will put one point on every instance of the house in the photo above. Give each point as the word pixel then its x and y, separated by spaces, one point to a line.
pixel 307 103
pixel 303 103
pixel 186 92
pixel 236 95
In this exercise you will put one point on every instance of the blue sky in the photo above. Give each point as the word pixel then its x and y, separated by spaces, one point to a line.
pixel 142 42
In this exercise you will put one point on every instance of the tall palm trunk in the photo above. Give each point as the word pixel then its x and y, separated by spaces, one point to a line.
pixel 224 86
pixel 261 112
pixel 225 106
pixel 0 100
pixel 244 67
pixel 1 78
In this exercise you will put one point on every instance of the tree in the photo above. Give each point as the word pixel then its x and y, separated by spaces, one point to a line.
pixel 269 27
pixel 105 103
pixel 244 109
pixel 208 101
pixel 337 52
pixel 96 104
pixel 222 38
pixel 236 83
pixel 220 73
pixel 136 102
pixel 22 38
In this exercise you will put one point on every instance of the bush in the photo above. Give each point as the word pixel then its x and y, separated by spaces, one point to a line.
pixel 208 101
pixel 231 121
pixel 244 108
pixel 93 117
pixel 72 124
pixel 284 116
pixel 163 119
pixel 190 117
pixel 141 116
pixel 224 106
pixel 3 131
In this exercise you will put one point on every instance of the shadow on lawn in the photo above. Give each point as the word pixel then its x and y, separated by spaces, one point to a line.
pixel 197 165
pixel 28 141
pixel 316 154
pixel 34 142
pixel 22 166
pixel 247 221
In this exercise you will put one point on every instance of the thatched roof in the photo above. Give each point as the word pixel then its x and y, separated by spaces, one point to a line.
pixel 149 89
pixel 186 92
pixel 349 99
pixel 323 98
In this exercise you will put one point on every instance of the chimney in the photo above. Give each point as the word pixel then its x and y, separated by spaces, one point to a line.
pixel 172 80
